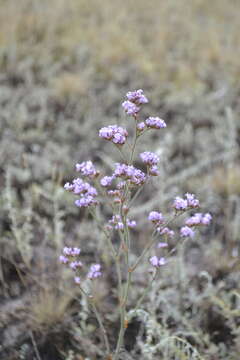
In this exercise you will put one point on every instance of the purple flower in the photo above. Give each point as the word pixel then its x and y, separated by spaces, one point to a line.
pixel 137 97
pixel 75 264
pixel 63 259
pixel 154 261
pixel 157 262
pixel 206 219
pixel 187 232
pixel 87 168
pixel 131 223
pixel 77 279
pixel 165 231
pixel 114 133
pixel 106 181
pixel 94 271
pixel 129 172
pixel 153 170
pixel 162 245
pixel 141 126
pixel 199 219
pixel 130 108
pixel 149 158
pixel 86 201
pixel 156 217
pixel 155 123
pixel 162 261
pixel 180 204
pixel 191 201
pixel 68 251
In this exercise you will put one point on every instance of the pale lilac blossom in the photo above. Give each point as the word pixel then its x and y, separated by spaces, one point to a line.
pixel 156 217
pixel 114 133
pixel 130 108
pixel 141 126
pixel 155 123
pixel 87 168
pixel 187 232
pixel 94 271
pixel 106 181
pixel 149 158
pixel 137 97
pixel 180 204
pixel 162 245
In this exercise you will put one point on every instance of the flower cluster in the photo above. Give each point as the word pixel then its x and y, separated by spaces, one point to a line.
pixel 70 257
pixel 156 217
pixel 190 201
pixel 165 231
pixel 134 100
pixel 117 223
pixel 149 158
pixel 199 219
pixel 129 172
pixel 114 133
pixel 157 262
pixel 87 192
pixel 187 232
pixel 94 271
pixel 87 169
pixel 155 123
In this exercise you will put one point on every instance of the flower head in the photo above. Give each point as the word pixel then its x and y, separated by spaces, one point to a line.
pixel 137 97
pixel 156 217
pixel 130 108
pixel 180 204
pixel 155 123
pixel 87 168
pixel 94 271
pixel 114 133
pixel 149 158
pixel 187 232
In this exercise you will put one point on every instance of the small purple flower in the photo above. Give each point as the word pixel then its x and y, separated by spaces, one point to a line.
pixel 63 259
pixel 77 279
pixel 199 219
pixel 106 181
pixel 187 232
pixel 162 261
pixel 180 204
pixel 87 168
pixel 153 170
pixel 114 133
pixel 149 158
pixel 206 219
pixel 154 261
pixel 155 123
pixel 131 223
pixel 156 217
pixel 129 172
pixel 137 97
pixel 94 271
pixel 166 231
pixel 162 245
pixel 130 108
pixel 68 251
pixel 141 126
pixel 86 201
pixel 75 264
pixel 191 200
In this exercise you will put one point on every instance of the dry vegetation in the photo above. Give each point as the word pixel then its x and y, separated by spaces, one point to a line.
pixel 64 69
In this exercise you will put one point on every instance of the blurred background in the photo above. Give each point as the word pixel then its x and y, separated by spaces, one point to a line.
pixel 65 67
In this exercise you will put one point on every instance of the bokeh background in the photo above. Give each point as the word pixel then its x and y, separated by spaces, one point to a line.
pixel 65 67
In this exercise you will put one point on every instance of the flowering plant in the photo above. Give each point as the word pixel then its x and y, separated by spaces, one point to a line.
pixel 121 189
